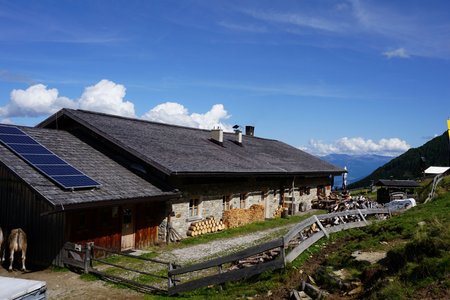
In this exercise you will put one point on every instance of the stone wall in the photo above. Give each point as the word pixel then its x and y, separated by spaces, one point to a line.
pixel 267 193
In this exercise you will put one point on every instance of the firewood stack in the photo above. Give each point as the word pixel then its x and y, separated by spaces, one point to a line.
pixel 256 259
pixel 278 212
pixel 206 226
pixel 240 216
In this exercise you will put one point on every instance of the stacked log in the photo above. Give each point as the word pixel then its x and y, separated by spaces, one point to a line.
pixel 206 226
pixel 239 216
pixel 278 212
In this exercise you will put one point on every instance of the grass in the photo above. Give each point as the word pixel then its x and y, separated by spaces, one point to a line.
pixel 418 252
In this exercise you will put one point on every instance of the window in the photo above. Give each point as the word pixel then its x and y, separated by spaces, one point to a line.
pixel 242 202
pixel 226 202
pixel 194 207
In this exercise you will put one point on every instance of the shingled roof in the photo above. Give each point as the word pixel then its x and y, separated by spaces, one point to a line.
pixel 394 183
pixel 117 183
pixel 177 150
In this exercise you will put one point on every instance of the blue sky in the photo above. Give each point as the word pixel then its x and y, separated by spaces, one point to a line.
pixel 327 76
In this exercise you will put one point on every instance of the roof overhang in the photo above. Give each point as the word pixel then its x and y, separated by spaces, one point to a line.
pixel 58 208
pixel 436 170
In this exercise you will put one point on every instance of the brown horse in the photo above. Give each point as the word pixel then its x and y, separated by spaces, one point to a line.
pixel 17 242
pixel 2 246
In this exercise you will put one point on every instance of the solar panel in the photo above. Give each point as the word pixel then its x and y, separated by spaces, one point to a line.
pixel 11 130
pixel 43 159
pixel 76 181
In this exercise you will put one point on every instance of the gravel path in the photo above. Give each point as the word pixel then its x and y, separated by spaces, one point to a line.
pixel 219 247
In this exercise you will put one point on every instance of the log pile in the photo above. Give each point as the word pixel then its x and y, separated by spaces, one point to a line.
pixel 206 226
pixel 278 212
pixel 256 259
pixel 239 216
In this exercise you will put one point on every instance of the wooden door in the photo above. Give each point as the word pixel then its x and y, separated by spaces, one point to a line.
pixel 128 221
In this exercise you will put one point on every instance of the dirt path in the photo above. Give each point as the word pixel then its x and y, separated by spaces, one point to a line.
pixel 69 285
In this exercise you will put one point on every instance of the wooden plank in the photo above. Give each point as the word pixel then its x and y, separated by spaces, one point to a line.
pixel 346 226
pixel 303 246
pixel 227 276
pixel 229 258
pixel 73 262
pixel 362 216
pixel 321 227
pixel 298 228
pixel 373 211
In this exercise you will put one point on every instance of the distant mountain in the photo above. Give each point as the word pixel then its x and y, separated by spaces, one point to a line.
pixel 358 166
pixel 409 165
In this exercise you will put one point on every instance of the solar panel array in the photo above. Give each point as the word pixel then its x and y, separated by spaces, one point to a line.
pixel 43 159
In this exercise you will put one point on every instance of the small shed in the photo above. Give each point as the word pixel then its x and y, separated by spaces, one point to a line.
pixel 389 186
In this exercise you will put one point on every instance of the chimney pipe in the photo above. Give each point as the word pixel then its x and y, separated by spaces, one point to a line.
pixel 238 135
pixel 250 130
pixel 217 135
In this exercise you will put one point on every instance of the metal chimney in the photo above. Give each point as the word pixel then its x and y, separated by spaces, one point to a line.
pixel 250 130
pixel 238 135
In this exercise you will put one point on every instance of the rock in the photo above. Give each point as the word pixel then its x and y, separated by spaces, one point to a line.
pixel 356 291
pixel 421 223
pixel 269 293
pixel 304 296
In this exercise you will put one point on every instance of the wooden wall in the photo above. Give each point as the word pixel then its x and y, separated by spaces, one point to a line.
pixel 99 225
pixel 22 207
pixel 148 218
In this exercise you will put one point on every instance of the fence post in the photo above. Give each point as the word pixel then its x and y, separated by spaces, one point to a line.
pixel 321 227
pixel 364 219
pixel 171 282
pixel 87 258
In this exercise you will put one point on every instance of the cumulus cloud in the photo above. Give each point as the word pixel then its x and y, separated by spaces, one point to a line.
pixel 358 145
pixel 175 113
pixel 38 100
pixel 35 101
pixel 400 53
pixel 108 97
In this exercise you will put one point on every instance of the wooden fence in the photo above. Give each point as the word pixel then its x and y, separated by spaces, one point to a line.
pixel 83 257
pixel 265 257
pixel 290 246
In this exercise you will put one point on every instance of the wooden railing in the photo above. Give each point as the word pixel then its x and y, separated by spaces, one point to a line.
pixel 281 251
pixel 290 246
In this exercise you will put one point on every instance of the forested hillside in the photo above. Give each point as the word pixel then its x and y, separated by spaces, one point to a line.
pixel 409 165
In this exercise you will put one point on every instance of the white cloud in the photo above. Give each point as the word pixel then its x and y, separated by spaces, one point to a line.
pixel 358 145
pixel 297 19
pixel 400 52
pixel 108 97
pixel 35 101
pixel 175 113
pixel 38 100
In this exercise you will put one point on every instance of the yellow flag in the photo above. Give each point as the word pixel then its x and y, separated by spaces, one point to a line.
pixel 448 125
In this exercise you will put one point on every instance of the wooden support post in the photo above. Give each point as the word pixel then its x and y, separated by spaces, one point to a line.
pixel 321 227
pixel 171 281
pixel 87 258
pixel 283 253
pixel 364 219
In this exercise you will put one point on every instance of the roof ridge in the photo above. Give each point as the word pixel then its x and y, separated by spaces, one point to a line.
pixel 157 123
